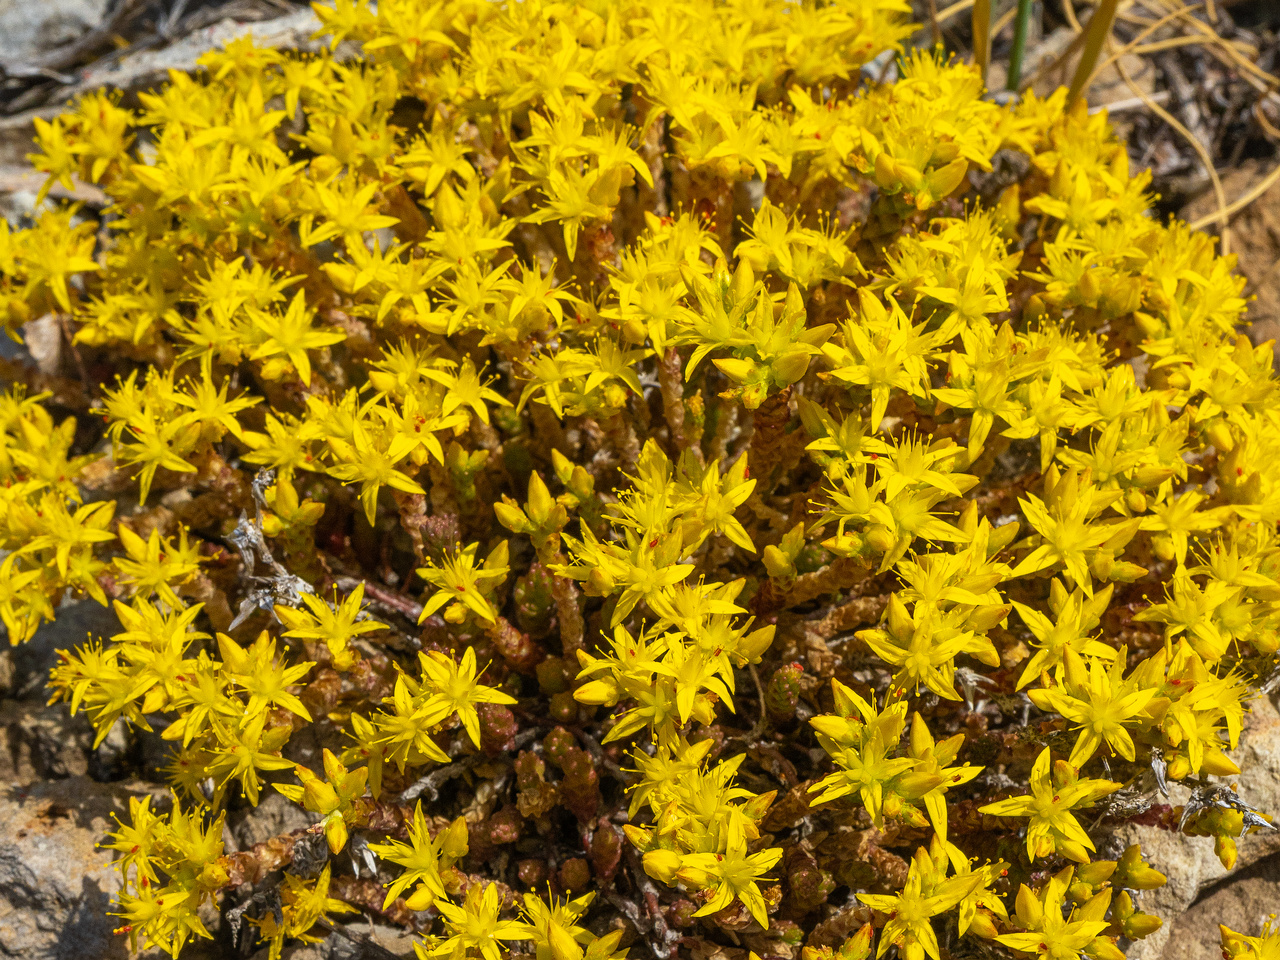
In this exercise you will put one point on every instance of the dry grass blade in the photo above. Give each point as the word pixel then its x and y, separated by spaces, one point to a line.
pixel 1260 115
pixel 1095 37
pixel 1130 103
pixel 982 36
pixel 1069 8
pixel 1005 19
pixel 1242 201
pixel 954 10
pixel 1222 215
pixel 935 28
pixel 1222 45
pixel 1226 51
pixel 1133 44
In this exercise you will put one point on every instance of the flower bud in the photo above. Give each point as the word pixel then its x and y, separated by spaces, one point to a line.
pixel 754 644
pixel 540 503
pixel 1220 436
pixel 421 899
pixel 778 564
pixel 1097 873
pixel 1141 925
pixel 880 539
pixel 744 281
pixel 790 367
pixel 1225 848
pixel 886 172
pixel 1179 768
pixel 1103 948
pixel 1080 892
pixel 335 831
pixel 603 692
pixel 1060 182
pixel 983 925
pixel 662 865
pixel 599 583
pixel 737 369
pixel 1135 874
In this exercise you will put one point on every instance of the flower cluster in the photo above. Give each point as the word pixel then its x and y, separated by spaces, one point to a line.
pixel 627 473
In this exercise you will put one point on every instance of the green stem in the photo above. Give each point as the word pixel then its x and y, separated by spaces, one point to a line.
pixel 1019 43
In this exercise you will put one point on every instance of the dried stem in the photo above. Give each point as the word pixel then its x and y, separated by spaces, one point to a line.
pixel 671 382
pixel 565 593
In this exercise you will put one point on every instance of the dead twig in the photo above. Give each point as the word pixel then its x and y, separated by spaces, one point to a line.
pixel 1201 150
pixel 1231 209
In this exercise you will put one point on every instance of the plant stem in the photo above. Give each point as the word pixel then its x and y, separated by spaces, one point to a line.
pixel 1020 23
pixel 1096 33
pixel 982 36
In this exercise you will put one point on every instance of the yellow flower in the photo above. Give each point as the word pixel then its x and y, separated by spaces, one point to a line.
pixel 1100 700
pixel 475 926
pixel 732 875
pixel 462 584
pixel 1051 937
pixel 1055 793
pixel 911 912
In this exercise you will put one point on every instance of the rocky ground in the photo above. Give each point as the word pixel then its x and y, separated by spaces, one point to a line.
pixel 58 798
pixel 58 793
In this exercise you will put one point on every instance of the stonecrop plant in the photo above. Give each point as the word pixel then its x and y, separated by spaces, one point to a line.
pixel 641 479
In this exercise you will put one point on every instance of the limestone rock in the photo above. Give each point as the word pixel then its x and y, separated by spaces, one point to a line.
pixel 273 816
pixel 1243 903
pixel 77 621
pixel 1189 862
pixel 39 742
pixel 55 885
pixel 28 30
pixel 151 67
pixel 43 339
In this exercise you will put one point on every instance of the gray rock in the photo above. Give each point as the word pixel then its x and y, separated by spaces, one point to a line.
pixel 1189 862
pixel 151 67
pixel 39 742
pixel 55 885
pixel 273 816
pixel 43 340
pixel 350 943
pixel 77 622
pixel 1243 902
pixel 29 29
